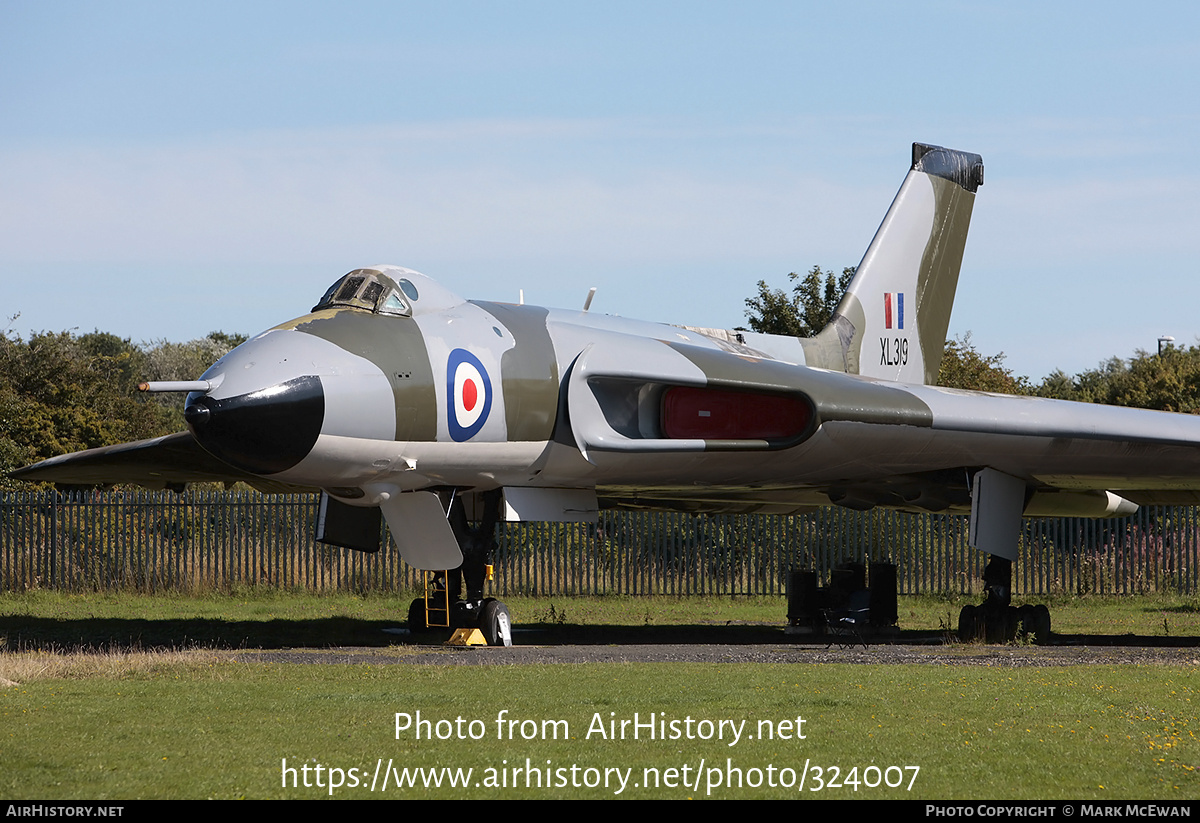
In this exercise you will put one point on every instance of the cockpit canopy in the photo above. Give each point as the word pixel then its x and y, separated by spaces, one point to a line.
pixel 372 290
pixel 388 290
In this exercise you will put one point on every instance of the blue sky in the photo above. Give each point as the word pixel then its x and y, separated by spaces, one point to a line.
pixel 168 169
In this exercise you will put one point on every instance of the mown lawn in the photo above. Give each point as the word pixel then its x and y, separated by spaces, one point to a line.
pixel 127 719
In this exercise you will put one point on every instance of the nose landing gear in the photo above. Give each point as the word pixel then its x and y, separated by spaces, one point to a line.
pixel 443 606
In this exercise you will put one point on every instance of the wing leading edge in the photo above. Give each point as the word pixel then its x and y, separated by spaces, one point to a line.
pixel 172 461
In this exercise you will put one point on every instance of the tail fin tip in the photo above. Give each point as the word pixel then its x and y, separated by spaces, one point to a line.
pixel 959 167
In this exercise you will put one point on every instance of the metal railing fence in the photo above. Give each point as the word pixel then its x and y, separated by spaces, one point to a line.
pixel 206 541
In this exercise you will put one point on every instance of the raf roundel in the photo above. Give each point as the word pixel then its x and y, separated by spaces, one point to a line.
pixel 468 393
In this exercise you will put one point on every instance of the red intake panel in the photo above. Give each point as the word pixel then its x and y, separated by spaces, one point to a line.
pixel 712 414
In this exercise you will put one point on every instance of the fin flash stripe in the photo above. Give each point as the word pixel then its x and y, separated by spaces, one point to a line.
pixel 889 313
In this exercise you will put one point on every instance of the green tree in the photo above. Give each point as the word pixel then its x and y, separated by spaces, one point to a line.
pixel 165 360
pixel 61 393
pixel 123 356
pixel 811 305
pixel 804 312
pixel 226 340
pixel 1169 381
pixel 965 368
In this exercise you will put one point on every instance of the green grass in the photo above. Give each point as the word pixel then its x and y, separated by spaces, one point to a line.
pixel 117 724
pixel 210 728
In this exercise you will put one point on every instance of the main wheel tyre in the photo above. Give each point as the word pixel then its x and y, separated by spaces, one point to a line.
pixel 416 615
pixel 995 628
pixel 1025 617
pixel 495 623
pixel 970 624
pixel 1041 624
pixel 1012 624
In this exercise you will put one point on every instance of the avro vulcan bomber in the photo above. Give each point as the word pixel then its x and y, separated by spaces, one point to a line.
pixel 395 397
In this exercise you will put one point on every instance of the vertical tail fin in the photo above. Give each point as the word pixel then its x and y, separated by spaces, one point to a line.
pixel 892 321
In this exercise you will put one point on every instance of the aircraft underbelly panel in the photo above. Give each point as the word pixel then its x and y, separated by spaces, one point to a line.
pixel 350 462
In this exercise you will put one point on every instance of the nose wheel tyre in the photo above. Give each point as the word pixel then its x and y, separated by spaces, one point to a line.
pixel 416 615
pixel 495 623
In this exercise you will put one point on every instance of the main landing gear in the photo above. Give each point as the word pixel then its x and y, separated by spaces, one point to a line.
pixel 997 502
pixel 996 620
pixel 443 606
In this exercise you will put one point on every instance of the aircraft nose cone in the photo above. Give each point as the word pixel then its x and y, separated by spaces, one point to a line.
pixel 264 431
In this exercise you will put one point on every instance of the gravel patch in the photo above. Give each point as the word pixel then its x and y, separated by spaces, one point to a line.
pixel 773 646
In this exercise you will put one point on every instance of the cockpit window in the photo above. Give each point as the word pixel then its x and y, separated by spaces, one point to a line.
pixel 394 305
pixel 349 289
pixel 370 290
pixel 408 288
